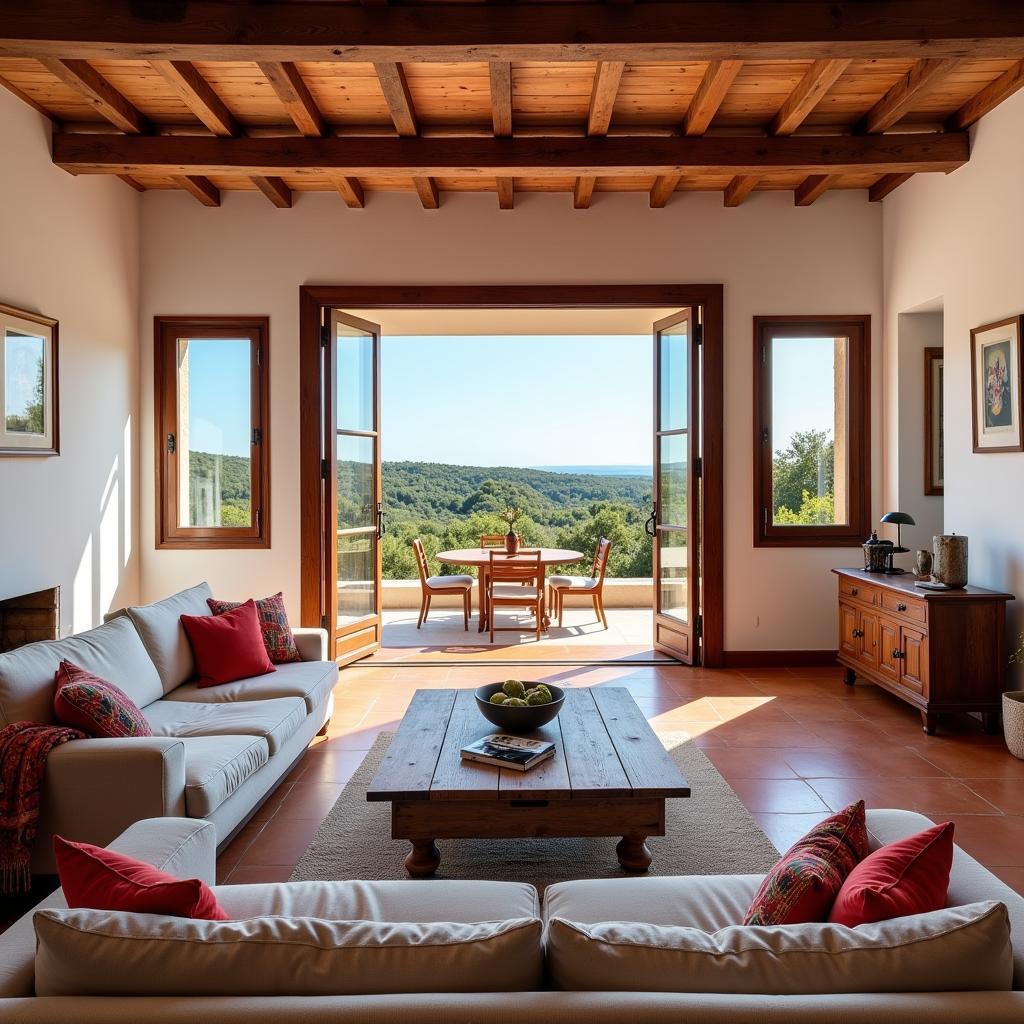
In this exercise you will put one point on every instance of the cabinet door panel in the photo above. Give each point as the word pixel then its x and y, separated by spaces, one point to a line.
pixel 913 660
pixel 889 650
pixel 848 616
pixel 867 642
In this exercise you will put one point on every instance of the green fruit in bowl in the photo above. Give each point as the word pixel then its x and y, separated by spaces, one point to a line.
pixel 513 688
pixel 515 702
pixel 498 698
pixel 536 698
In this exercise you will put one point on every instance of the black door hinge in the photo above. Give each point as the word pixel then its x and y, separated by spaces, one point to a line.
pixel 257 435
pixel 324 469
pixel 698 467
pixel 699 626
pixel 698 333
pixel 325 335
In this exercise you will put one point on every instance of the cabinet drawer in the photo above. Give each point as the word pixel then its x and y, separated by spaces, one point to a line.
pixel 862 592
pixel 910 607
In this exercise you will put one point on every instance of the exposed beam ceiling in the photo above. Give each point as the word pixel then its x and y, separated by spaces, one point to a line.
pixel 664 186
pixel 607 76
pixel 81 76
pixel 311 31
pixel 500 73
pixel 812 188
pixel 539 157
pixel 924 75
pixel 988 99
pixel 739 188
pixel 582 191
pixel 198 95
pixel 399 101
pixel 718 76
pixel 202 188
pixel 885 185
pixel 819 78
pixel 349 189
pixel 275 190
pixel 291 90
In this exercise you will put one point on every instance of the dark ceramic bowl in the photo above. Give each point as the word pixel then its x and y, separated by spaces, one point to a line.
pixel 518 720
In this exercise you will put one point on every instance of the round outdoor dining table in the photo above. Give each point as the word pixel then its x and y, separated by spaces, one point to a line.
pixel 481 558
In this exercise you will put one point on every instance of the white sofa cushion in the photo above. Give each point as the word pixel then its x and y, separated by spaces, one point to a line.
pixel 215 766
pixel 94 952
pixel 707 902
pixel 956 949
pixel 159 625
pixel 112 651
pixel 310 680
pixel 434 900
pixel 275 719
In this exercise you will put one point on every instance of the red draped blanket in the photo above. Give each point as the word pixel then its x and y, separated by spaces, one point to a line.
pixel 24 748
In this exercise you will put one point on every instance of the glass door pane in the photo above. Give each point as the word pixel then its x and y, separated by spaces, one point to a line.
pixel 675 452
pixel 352 421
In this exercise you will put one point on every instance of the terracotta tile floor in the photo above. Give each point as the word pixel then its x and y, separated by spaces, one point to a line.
pixel 793 743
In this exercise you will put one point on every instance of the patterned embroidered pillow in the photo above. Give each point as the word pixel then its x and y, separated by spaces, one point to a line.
pixel 95 706
pixel 804 884
pixel 277 634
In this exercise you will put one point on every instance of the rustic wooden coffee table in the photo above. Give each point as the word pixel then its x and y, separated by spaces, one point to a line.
pixel 610 776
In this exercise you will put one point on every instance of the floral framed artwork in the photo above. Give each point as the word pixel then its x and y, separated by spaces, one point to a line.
pixel 996 386
pixel 29 418
pixel 934 453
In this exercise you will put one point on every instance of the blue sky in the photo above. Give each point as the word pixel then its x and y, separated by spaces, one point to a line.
pixel 219 396
pixel 803 381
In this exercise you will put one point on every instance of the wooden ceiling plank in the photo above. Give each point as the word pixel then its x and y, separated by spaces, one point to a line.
pixel 813 188
pixel 664 188
pixel 582 192
pixel 739 188
pixel 349 189
pixel 396 93
pixel 201 187
pixel 671 31
pixel 602 96
pixel 718 77
pixel 274 189
pixel 292 91
pixel 81 76
pixel 198 95
pixel 501 97
pixel 885 184
pixel 426 189
pixel 130 181
pixel 33 103
pixel 988 99
pixel 516 157
pixel 924 75
pixel 819 78
pixel 506 194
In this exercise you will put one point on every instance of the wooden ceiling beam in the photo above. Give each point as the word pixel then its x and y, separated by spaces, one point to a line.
pixel 582 192
pixel 198 95
pixel 739 188
pixel 132 183
pixel 506 193
pixel 664 188
pixel 349 189
pixel 426 189
pixel 818 79
pixel 990 97
pixel 537 157
pixel 599 117
pixel 81 76
pixel 885 184
pixel 292 91
pixel 201 187
pixel 501 121
pixel 718 77
pixel 908 91
pixel 396 94
pixel 813 188
pixel 274 189
pixel 671 31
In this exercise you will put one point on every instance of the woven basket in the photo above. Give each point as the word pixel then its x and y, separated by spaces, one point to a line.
pixel 1013 722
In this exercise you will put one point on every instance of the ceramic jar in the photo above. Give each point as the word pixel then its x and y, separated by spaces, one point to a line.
pixel 950 564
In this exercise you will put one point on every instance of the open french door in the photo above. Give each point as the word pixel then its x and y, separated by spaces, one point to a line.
pixel 675 518
pixel 353 520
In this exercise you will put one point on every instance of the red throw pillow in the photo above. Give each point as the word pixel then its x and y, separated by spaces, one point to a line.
pixel 910 876
pixel 99 879
pixel 277 634
pixel 97 707
pixel 227 647
pixel 803 885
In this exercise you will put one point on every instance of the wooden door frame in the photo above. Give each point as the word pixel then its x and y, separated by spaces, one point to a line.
pixel 313 299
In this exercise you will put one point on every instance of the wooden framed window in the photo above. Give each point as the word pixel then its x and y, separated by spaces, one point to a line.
pixel 812 431
pixel 212 431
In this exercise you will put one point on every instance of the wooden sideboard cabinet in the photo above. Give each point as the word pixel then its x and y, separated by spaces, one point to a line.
pixel 938 650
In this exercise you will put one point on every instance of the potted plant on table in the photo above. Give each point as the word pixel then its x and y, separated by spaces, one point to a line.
pixel 510 515
pixel 1013 709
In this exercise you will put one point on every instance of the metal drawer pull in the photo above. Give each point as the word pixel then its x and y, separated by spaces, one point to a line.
pixel 854 591
pixel 901 607
pixel 858 632
pixel 897 654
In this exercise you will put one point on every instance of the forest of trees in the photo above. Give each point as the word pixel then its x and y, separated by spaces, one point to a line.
pixel 803 479
pixel 229 473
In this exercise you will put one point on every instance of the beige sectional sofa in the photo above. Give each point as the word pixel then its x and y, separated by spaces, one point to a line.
pixel 216 753
pixel 187 848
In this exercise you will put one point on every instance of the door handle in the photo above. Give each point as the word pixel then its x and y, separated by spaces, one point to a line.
pixel 858 632
pixel 381 528
pixel 854 591
pixel 897 654
pixel 901 607
pixel 651 520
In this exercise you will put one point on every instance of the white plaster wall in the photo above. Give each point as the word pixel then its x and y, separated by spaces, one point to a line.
pixel 959 237
pixel 247 257
pixel 71 251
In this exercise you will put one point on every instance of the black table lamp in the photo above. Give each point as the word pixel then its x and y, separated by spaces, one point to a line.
pixel 901 519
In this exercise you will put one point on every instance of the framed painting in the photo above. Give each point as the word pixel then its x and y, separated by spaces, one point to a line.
pixel 996 386
pixel 29 417
pixel 934 454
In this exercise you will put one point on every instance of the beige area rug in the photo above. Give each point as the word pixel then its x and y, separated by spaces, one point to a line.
pixel 711 833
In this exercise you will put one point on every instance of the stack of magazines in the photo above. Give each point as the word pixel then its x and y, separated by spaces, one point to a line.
pixel 508 751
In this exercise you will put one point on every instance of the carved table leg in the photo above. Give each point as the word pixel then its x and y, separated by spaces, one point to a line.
pixel 929 722
pixel 633 853
pixel 423 858
pixel 849 676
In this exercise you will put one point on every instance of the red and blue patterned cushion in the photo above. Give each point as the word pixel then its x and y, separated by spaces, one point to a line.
pixel 804 884
pixel 96 706
pixel 277 634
